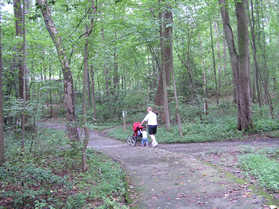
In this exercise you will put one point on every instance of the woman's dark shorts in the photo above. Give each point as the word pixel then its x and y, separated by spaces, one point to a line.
pixel 152 129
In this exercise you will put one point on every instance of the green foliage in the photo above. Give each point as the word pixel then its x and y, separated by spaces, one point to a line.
pixel 49 176
pixel 31 183
pixel 265 170
pixel 112 204
pixel 76 200
pixel 265 124
pixel 220 124
pixel 210 128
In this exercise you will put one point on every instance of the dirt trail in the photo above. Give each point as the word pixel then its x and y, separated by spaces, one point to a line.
pixel 175 177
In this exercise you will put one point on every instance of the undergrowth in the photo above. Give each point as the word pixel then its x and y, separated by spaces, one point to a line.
pixel 219 125
pixel 48 175
pixel 264 169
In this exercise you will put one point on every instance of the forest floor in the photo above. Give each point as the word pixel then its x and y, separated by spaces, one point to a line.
pixel 188 176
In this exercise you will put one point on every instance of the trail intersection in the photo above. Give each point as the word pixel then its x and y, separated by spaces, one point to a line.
pixel 182 176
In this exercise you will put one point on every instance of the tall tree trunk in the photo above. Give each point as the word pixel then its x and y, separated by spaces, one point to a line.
pixel 159 97
pixel 254 48
pixel 50 93
pixel 93 97
pixel 166 105
pixel 233 54
pixel 26 70
pixel 106 70
pixel 189 67
pixel 219 58
pixel 2 150
pixel 19 10
pixel 166 63
pixel 205 92
pixel 89 90
pixel 85 85
pixel 214 62
pixel 225 67
pixel 185 60
pixel 85 101
pixel 244 74
pixel 167 60
pixel 67 74
pixel 17 4
pixel 20 59
pixel 168 43
pixel 178 118
pixel 262 46
pixel 239 63
pixel 115 69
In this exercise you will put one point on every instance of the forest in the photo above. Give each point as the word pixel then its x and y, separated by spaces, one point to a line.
pixel 208 68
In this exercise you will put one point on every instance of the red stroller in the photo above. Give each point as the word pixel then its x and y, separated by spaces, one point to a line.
pixel 137 136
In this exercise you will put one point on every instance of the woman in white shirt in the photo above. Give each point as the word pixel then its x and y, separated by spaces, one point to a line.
pixel 152 124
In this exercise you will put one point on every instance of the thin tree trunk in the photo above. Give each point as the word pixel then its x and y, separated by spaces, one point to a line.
pixel 254 96
pixel 50 94
pixel 274 83
pixel 93 97
pixel 67 74
pixel 205 92
pixel 23 73
pixel 178 118
pixel 85 101
pixel 189 67
pixel 2 150
pixel 85 86
pixel 219 58
pixel 265 78
pixel 26 70
pixel 106 71
pixel 185 61
pixel 89 91
pixel 214 62
pixel 115 69
pixel 254 48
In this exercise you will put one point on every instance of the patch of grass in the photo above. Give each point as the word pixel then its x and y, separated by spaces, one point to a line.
pixel 119 133
pixel 219 125
pixel 101 126
pixel 265 170
pixel 273 134
pixel 48 175
pixel 268 197
pixel 201 131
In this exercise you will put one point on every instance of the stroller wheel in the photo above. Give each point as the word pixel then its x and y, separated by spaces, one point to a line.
pixel 133 140
pixel 129 140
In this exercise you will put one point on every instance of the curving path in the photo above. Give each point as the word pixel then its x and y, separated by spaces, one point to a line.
pixel 174 177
